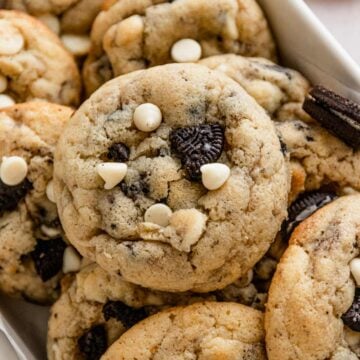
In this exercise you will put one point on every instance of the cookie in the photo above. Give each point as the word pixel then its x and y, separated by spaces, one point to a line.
pixel 199 199
pixel 70 19
pixel 31 243
pixel 206 330
pixel 337 114
pixel 97 300
pixel 132 35
pixel 33 63
pixel 319 159
pixel 313 290
pixel 280 91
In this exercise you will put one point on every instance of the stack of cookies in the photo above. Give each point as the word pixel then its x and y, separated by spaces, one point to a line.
pixel 187 197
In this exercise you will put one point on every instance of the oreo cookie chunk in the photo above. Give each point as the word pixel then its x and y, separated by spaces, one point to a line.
pixel 352 317
pixel 304 207
pixel 337 114
pixel 93 343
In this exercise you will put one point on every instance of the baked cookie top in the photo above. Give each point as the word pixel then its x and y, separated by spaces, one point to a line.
pixel 31 244
pixel 132 35
pixel 33 63
pixel 70 19
pixel 96 303
pixel 172 176
pixel 311 295
pixel 280 91
pixel 206 330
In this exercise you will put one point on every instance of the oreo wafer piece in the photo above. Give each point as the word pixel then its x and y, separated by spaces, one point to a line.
pixel 304 207
pixel 337 114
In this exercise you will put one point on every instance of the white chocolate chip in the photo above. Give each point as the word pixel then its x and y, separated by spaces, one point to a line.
pixel 147 117
pixel 214 175
pixel 71 260
pixel 158 214
pixel 51 21
pixel 50 191
pixel 78 45
pixel 186 50
pixel 111 173
pixel 6 100
pixel 50 232
pixel 355 270
pixel 3 83
pixel 11 40
pixel 13 170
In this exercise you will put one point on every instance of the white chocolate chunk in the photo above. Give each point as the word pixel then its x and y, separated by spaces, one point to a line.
pixel 78 45
pixel 112 173
pixel 6 100
pixel 50 232
pixel 355 270
pixel 214 175
pixel 3 83
pixel 11 40
pixel 147 117
pixel 71 260
pixel 13 170
pixel 186 50
pixel 51 21
pixel 50 191
pixel 158 214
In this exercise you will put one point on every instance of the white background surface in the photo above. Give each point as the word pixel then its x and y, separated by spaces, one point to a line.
pixel 342 18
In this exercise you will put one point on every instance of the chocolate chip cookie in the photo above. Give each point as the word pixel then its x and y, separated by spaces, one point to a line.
pixel 173 177
pixel 206 330
pixel 70 19
pixel 33 63
pixel 31 243
pixel 132 35
pixel 313 306
pixel 280 91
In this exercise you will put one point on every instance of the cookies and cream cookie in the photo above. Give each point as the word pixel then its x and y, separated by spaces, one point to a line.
pixel 173 177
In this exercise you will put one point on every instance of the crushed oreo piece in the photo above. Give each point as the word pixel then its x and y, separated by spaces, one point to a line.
pixel 48 257
pixel 135 189
pixel 127 315
pixel 10 196
pixel 197 146
pixel 93 343
pixel 335 113
pixel 352 317
pixel 118 152
pixel 302 208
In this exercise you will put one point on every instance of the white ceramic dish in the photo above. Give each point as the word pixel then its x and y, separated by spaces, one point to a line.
pixel 304 44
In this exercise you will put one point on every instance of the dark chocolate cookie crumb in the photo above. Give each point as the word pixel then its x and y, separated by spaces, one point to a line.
pixel 197 146
pixel 352 317
pixel 11 195
pixel 93 343
pixel 135 189
pixel 127 315
pixel 302 208
pixel 48 257
pixel 118 152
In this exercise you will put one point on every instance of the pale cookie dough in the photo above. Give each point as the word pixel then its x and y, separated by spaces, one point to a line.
pixel 135 34
pixel 319 159
pixel 97 299
pixel 313 288
pixel 33 62
pixel 70 19
pixel 28 219
pixel 280 91
pixel 213 237
pixel 206 330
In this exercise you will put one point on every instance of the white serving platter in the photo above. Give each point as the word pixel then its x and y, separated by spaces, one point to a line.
pixel 306 45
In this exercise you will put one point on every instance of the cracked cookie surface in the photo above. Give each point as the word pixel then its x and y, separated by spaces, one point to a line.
pixel 206 330
pixel 212 237
pixel 132 35
pixel 313 288
pixel 27 217
pixel 33 62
